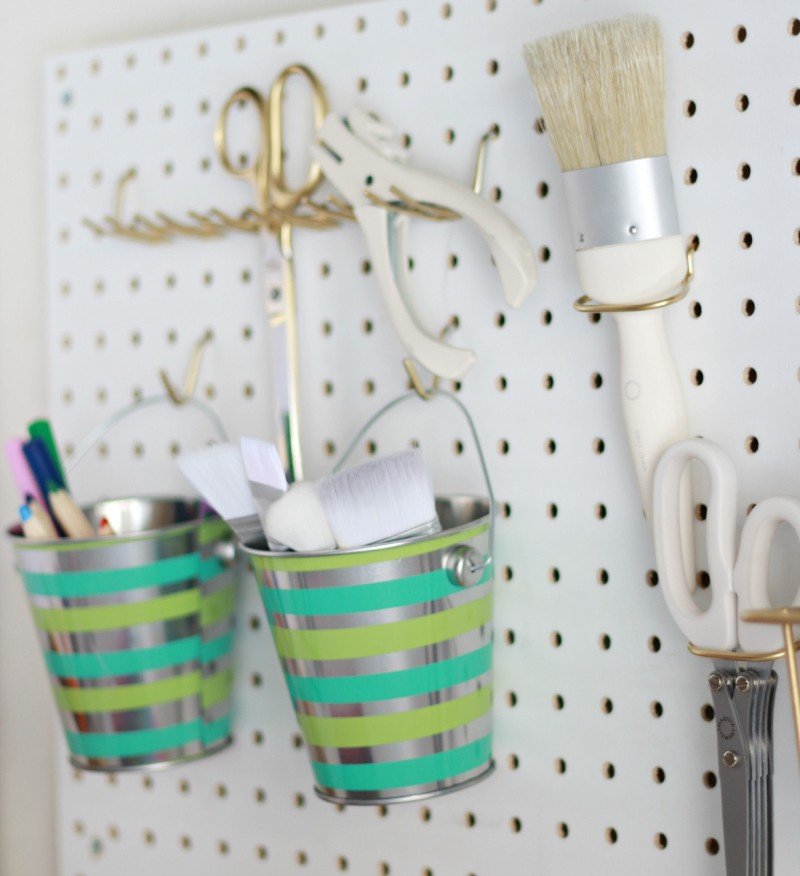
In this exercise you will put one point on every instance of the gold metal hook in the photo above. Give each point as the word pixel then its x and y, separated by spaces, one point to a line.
pixel 192 372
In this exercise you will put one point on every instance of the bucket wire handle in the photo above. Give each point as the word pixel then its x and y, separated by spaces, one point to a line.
pixel 91 438
pixel 435 393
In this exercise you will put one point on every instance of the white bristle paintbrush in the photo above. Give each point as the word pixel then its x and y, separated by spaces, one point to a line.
pixel 264 469
pixel 379 500
pixel 218 474
pixel 601 91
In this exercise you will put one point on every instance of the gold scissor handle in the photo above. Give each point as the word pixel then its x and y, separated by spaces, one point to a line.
pixel 255 171
pixel 282 195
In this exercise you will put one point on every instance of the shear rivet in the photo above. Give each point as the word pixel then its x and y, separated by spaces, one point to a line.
pixel 716 681
pixel 743 683
pixel 633 230
pixel 730 759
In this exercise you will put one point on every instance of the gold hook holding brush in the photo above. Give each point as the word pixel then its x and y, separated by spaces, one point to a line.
pixel 192 372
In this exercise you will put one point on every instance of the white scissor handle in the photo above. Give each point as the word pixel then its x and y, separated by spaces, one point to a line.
pixel 751 573
pixel 715 627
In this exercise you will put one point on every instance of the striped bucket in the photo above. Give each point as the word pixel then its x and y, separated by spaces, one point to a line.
pixel 387 654
pixel 137 633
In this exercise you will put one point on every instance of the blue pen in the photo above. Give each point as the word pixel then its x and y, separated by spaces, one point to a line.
pixel 41 464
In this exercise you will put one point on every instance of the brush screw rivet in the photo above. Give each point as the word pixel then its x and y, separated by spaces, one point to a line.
pixel 743 683
pixel 716 681
pixel 730 759
pixel 581 238
pixel 464 565
pixel 633 230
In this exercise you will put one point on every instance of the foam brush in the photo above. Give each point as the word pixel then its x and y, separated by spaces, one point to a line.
pixel 297 521
pixel 601 91
pixel 218 474
pixel 264 469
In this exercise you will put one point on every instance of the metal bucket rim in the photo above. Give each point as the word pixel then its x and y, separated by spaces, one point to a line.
pixel 368 550
pixel 14 532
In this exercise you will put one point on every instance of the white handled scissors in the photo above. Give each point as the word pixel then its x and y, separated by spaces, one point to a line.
pixel 743 688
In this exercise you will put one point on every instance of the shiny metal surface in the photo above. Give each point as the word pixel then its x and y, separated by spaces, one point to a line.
pixel 166 759
pixel 419 724
pixel 138 620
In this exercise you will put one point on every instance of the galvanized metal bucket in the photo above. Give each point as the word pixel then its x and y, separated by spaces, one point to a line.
pixel 387 654
pixel 137 632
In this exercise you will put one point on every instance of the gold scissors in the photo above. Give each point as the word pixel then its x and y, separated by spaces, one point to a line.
pixel 278 205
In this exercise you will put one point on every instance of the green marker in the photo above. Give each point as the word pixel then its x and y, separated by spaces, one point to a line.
pixel 42 429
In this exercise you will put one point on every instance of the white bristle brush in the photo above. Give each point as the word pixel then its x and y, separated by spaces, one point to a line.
pixel 264 469
pixel 601 91
pixel 381 499
pixel 218 474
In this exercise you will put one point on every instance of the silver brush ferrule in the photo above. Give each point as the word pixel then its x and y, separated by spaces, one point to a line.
pixel 621 203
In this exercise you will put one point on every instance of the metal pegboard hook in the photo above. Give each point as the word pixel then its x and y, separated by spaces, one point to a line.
pixel 192 372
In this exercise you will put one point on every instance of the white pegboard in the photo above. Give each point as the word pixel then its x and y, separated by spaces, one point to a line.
pixel 604 756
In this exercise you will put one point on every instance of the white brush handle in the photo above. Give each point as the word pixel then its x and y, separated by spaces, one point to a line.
pixel 652 402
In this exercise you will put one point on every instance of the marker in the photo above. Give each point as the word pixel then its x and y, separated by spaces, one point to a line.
pixel 68 514
pixel 36 522
pixel 42 429
pixel 21 471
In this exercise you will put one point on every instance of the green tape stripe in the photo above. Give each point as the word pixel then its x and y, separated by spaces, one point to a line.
pixel 212 609
pixel 132 662
pixel 382 638
pixel 110 617
pixel 347 560
pixel 216 688
pixel 404 773
pixel 70 585
pixel 124 697
pixel 362 597
pixel 388 685
pixel 218 605
pixel 370 730
pixel 139 743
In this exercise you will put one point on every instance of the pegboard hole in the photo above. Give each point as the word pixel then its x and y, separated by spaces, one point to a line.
pixel 605 642
pixel 553 575
pixel 470 820
pixel 258 737
pixel 709 779
pixel 562 829
pixel 611 835
pixel 425 814
pixel 690 176
pixel 540 126
pixel 149 838
pixel 550 447
pixel 794 96
pixel 404 79
pixel 516 825
pixel 492 67
pixel 342 863
pixel 546 317
pixel 448 73
pixel 748 307
pixel 609 770
pixel 598 446
pixel 446 10
pixel 507 573
pixel 651 578
pixel 743 171
pixel 548 381
pixel 703 580
pixel 186 842
pixel 707 713
pixel 560 766
pixel 712 846
pixel 700 511
pixel 384 869
pixel 501 383
pixel 602 577
pixel 660 840
pixel 656 709
pixel 262 853
pixel 695 310
pixel 659 776
pixel 746 240
pixel 596 380
pixel 751 444
pixel 513 762
pixel 687 39
pixel 362 84
pixel 750 376
pixel 503 447
pixel 600 511
pixel 654 644
pixel 794 27
pixel 689 108
pixel 509 637
pixel 511 699
pixel 606 706
pixel 499 320
pixel 740 33
pixel 742 102
pixel 558 702
pixel 556 639
pixel 697 377
pixel 449 136
pixel 301 858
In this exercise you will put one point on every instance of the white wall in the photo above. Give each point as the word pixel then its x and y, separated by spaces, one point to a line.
pixel 29 31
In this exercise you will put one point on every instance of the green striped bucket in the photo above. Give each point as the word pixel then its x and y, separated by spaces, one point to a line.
pixel 387 654
pixel 137 632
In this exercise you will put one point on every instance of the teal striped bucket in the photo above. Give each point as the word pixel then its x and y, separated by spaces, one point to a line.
pixel 387 654
pixel 137 633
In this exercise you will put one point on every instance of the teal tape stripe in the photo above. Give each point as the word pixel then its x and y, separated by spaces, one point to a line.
pixel 117 663
pixel 404 773
pixel 139 743
pixel 97 582
pixel 388 685
pixel 361 597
